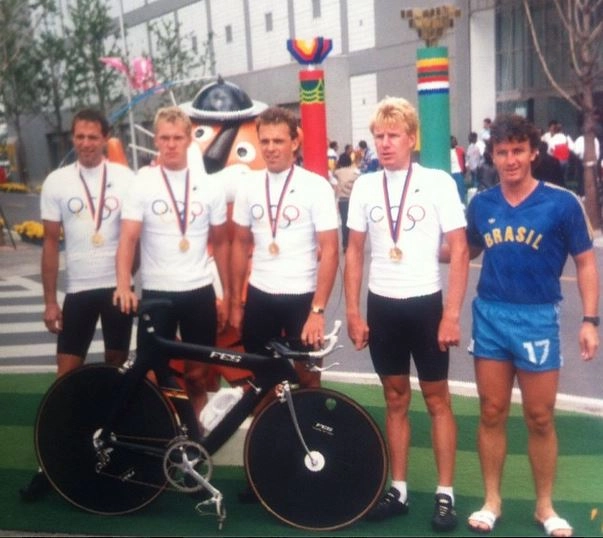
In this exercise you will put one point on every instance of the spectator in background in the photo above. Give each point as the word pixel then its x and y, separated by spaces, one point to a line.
pixel 487 176
pixel 485 134
pixel 549 132
pixel 368 158
pixel 457 167
pixel 473 157
pixel 560 146
pixel 546 168
pixel 332 157
pixel 345 174
pixel 578 150
pixel 347 158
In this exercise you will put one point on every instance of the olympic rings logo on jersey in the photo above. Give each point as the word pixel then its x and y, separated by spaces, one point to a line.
pixel 77 206
pixel 165 212
pixel 413 215
pixel 289 214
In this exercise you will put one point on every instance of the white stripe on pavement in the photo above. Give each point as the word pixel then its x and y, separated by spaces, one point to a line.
pixel 23 327
pixel 22 309
pixel 19 294
pixel 40 350
pixel 567 402
pixel 20 281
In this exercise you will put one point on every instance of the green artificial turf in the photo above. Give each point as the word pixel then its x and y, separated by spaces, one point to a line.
pixel 578 494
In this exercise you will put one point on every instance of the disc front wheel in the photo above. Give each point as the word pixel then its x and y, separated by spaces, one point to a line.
pixel 337 482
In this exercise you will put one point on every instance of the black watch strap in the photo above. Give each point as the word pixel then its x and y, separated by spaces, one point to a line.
pixel 595 320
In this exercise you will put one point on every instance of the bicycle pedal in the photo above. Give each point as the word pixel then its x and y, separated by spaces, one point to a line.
pixel 220 510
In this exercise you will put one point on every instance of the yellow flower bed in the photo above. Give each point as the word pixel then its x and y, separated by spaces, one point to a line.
pixel 14 187
pixel 30 228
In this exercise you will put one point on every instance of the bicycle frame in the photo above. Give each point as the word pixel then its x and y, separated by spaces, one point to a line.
pixel 154 352
pixel 147 436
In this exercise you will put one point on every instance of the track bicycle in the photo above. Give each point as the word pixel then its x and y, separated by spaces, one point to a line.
pixel 110 440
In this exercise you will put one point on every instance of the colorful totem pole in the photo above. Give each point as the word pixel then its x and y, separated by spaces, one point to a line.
pixel 434 106
pixel 312 100
pixel 433 83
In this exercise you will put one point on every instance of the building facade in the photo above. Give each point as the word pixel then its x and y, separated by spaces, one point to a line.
pixel 492 62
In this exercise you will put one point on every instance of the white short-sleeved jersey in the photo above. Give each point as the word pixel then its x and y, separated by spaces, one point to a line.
pixel 308 206
pixel 64 199
pixel 432 207
pixel 163 265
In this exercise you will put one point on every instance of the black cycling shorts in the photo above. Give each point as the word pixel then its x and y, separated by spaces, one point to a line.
pixel 401 328
pixel 81 312
pixel 193 312
pixel 271 315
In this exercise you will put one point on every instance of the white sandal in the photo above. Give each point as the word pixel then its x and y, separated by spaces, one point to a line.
pixel 485 517
pixel 554 524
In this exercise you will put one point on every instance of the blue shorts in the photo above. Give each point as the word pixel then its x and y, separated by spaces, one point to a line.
pixel 527 335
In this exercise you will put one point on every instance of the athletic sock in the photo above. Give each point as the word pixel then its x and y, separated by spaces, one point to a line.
pixel 400 485
pixel 448 490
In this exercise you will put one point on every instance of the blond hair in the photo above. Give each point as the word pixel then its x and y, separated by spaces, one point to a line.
pixel 173 114
pixel 395 111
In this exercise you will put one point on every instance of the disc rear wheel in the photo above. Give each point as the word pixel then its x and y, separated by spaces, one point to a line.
pixel 117 479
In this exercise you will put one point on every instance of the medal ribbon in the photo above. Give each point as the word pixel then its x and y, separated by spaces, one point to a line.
pixel 274 221
pixel 394 227
pixel 96 213
pixel 182 220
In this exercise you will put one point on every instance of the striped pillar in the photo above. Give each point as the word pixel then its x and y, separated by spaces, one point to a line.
pixel 312 101
pixel 434 106
pixel 314 121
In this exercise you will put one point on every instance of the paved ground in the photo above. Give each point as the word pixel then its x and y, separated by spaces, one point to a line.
pixel 24 260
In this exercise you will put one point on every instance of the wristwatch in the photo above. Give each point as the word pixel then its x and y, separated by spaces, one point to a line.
pixel 317 310
pixel 595 320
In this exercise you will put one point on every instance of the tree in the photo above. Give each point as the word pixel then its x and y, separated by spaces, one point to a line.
pixel 583 23
pixel 93 35
pixel 52 51
pixel 19 21
pixel 175 57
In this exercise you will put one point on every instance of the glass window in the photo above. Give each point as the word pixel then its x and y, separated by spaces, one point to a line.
pixel 316 12
pixel 268 19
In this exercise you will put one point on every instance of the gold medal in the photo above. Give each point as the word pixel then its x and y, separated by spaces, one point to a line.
pixel 395 254
pixel 97 239
pixel 273 249
pixel 184 244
